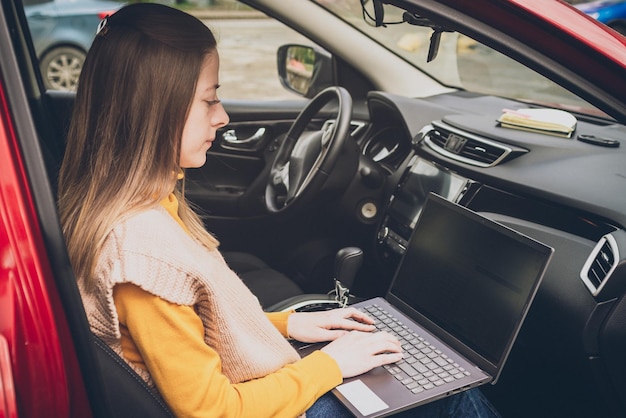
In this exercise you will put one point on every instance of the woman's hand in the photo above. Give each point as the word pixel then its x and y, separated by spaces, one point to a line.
pixel 358 352
pixel 312 327
pixel 354 346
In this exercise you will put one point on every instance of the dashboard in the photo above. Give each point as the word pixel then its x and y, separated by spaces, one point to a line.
pixel 421 177
pixel 560 191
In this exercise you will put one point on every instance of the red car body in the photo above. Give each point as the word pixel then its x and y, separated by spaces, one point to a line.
pixel 39 375
pixel 44 369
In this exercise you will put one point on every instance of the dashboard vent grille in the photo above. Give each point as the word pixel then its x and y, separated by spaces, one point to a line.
pixel 600 264
pixel 465 147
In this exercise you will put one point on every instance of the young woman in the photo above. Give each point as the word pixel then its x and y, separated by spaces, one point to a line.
pixel 154 285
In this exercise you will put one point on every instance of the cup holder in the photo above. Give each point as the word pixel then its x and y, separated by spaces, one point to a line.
pixel 314 306
pixel 310 303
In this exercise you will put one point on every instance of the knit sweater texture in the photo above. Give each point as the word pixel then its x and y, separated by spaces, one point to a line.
pixel 153 252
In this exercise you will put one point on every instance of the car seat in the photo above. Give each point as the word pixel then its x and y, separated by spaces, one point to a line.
pixel 127 394
pixel 268 285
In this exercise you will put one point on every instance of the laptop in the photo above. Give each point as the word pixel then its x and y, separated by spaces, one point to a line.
pixel 458 300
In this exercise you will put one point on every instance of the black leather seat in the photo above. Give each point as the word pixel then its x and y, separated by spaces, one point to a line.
pixel 127 394
pixel 270 286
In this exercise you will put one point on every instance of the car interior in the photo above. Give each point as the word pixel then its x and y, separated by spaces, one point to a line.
pixel 343 227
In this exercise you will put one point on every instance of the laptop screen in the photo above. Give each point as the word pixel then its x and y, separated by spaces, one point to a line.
pixel 470 276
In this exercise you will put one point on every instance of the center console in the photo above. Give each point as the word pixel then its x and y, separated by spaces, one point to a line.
pixel 420 178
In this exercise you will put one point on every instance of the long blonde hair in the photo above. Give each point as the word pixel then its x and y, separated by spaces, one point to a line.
pixel 123 145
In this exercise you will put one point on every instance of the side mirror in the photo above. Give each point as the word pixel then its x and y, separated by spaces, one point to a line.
pixel 304 70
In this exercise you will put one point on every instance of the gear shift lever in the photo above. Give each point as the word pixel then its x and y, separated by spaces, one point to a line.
pixel 347 263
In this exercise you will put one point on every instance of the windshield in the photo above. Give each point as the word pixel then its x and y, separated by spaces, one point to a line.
pixel 461 62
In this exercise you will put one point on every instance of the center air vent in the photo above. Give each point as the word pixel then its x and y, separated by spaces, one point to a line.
pixel 600 264
pixel 465 147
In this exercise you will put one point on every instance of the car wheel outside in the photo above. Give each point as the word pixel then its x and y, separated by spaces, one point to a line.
pixel 61 66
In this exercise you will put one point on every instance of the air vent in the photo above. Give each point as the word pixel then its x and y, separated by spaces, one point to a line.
pixel 600 264
pixel 465 147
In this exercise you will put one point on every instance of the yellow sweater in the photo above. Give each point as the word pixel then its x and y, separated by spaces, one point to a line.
pixel 168 340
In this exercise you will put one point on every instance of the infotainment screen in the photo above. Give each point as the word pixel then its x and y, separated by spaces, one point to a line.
pixel 422 178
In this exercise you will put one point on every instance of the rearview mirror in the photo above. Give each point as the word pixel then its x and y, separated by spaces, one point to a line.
pixel 304 70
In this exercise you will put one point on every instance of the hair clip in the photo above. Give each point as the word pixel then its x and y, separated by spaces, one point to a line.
pixel 103 28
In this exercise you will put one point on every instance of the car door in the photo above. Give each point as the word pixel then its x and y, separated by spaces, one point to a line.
pixel 260 111
pixel 232 182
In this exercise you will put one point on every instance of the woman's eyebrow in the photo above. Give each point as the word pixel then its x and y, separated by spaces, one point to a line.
pixel 213 87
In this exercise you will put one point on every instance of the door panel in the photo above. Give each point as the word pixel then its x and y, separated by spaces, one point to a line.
pixel 232 182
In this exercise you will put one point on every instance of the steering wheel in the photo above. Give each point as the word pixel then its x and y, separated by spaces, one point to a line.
pixel 306 159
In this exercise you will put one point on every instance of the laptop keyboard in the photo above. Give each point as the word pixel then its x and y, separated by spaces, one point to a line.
pixel 423 367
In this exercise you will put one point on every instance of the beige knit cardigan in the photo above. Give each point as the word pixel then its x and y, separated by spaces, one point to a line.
pixel 153 252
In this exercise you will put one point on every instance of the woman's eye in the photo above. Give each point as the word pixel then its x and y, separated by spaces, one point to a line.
pixel 213 102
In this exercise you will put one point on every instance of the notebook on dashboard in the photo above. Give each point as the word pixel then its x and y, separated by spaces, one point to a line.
pixel 457 302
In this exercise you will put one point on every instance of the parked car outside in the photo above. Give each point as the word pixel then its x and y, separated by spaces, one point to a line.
pixel 62 32
pixel 429 83
pixel 610 12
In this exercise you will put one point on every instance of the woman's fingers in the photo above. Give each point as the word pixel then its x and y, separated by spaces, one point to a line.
pixel 327 325
pixel 358 352
pixel 350 319
pixel 357 315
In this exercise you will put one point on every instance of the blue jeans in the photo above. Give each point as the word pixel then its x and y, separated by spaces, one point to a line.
pixel 469 404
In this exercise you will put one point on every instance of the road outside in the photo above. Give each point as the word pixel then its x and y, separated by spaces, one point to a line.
pixel 247 49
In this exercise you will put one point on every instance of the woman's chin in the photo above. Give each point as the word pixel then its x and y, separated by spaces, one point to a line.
pixel 197 162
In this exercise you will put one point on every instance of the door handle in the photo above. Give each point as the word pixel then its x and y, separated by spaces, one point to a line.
pixel 230 136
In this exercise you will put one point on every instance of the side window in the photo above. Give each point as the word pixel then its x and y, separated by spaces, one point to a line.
pixel 248 40
pixel 62 32
pixel 247 43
